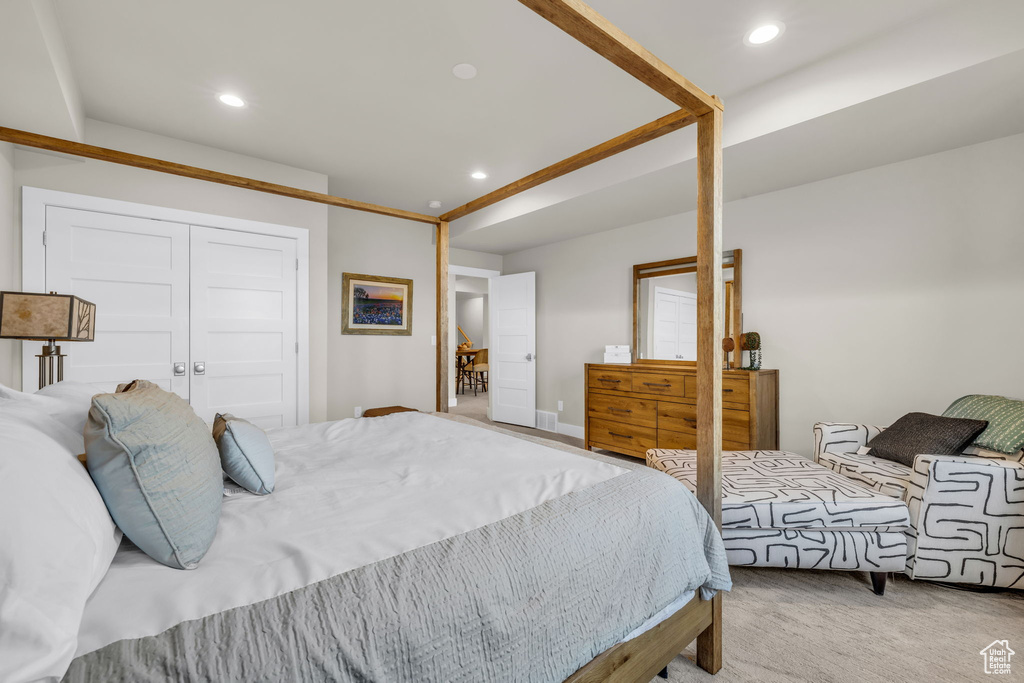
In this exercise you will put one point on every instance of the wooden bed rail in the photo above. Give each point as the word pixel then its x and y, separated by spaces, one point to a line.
pixel 637 136
pixel 640 659
pixel 26 139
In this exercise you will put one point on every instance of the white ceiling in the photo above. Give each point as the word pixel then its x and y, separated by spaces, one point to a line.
pixel 363 92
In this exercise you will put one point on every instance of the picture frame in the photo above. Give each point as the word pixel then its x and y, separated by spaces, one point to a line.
pixel 371 304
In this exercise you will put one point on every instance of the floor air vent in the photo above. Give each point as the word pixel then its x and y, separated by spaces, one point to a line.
pixel 547 421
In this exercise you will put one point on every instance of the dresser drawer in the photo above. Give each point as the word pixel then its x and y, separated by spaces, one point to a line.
pixel 681 441
pixel 616 436
pixel 676 440
pixel 638 411
pixel 682 418
pixel 734 389
pixel 613 380
pixel 677 417
pixel 660 384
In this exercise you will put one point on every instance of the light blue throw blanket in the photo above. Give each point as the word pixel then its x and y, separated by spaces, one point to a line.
pixel 532 597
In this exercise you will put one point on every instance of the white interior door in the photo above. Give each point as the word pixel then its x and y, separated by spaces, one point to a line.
pixel 244 351
pixel 513 349
pixel 136 271
pixel 675 324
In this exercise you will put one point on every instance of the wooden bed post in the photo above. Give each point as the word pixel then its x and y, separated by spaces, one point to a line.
pixel 442 317
pixel 709 352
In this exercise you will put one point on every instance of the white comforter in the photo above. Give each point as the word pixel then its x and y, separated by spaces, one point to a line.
pixel 348 493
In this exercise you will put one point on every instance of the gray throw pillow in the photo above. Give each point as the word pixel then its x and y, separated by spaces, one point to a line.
pixel 156 466
pixel 245 453
pixel 920 433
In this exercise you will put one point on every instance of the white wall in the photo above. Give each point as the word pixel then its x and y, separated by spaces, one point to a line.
pixel 474 259
pixel 10 260
pixel 373 371
pixel 470 317
pixel 886 291
pixel 58 172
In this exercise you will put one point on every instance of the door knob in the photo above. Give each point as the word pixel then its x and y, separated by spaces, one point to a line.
pixel 179 369
pixel 530 356
pixel 199 368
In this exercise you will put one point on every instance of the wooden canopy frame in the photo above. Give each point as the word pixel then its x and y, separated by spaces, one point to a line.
pixel 641 658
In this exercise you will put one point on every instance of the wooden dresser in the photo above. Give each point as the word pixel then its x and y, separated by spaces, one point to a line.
pixel 631 408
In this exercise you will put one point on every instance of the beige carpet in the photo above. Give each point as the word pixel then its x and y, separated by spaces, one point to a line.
pixel 821 626
pixel 475 407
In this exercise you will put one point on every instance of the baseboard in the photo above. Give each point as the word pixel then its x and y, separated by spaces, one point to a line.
pixel 570 430
pixel 452 402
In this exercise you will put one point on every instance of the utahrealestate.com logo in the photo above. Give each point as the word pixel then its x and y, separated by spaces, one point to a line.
pixel 997 657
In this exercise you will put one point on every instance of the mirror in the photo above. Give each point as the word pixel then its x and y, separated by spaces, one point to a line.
pixel 665 309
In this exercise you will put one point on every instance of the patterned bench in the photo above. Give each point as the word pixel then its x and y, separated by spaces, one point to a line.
pixel 782 510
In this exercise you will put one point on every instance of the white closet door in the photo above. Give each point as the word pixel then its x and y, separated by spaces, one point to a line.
pixel 244 326
pixel 136 271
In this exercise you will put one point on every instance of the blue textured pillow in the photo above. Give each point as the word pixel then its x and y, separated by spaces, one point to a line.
pixel 245 453
pixel 156 466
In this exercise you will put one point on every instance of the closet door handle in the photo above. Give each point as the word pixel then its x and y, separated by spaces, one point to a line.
pixel 179 369
pixel 199 368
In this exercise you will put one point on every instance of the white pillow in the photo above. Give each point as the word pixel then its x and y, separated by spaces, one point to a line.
pixel 67 402
pixel 56 543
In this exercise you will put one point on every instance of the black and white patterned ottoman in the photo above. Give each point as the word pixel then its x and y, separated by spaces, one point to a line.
pixel 783 510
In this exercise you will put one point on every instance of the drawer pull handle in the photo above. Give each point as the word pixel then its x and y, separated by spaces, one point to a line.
pixel 656 384
pixel 726 391
pixel 619 410
pixel 690 419
pixel 605 379
pixel 621 436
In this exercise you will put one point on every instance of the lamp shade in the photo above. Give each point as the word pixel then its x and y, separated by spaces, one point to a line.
pixel 61 317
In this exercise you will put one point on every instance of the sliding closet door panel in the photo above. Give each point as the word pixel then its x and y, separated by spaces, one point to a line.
pixel 136 271
pixel 244 326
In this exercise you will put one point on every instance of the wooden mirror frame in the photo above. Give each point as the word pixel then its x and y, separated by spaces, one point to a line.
pixel 732 292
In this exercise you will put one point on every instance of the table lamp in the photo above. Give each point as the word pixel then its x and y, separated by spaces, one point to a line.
pixel 49 318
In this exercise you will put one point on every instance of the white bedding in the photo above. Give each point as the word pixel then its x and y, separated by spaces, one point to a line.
pixel 348 493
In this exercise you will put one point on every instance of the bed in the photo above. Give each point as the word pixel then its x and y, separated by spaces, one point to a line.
pixel 599 563
pixel 412 547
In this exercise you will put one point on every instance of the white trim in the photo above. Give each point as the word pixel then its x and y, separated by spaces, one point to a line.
pixel 34 201
pixel 452 402
pixel 473 272
pixel 570 430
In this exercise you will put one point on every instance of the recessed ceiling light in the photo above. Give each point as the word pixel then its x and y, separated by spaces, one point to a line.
pixel 479 175
pixel 231 100
pixel 765 33
pixel 464 71
pixel 434 204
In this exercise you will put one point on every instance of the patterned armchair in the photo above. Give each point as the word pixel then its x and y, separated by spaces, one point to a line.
pixel 966 513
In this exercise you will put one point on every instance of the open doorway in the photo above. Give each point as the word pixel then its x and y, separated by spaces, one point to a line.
pixel 472 316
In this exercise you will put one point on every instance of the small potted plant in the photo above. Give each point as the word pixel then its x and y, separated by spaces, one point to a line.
pixel 751 341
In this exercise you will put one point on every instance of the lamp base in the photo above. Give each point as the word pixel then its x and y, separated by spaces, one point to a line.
pixel 46 364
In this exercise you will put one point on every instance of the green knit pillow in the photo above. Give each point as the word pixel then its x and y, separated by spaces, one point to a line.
pixel 1005 431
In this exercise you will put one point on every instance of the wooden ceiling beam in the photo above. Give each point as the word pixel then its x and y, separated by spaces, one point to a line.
pixel 26 139
pixel 590 28
pixel 635 137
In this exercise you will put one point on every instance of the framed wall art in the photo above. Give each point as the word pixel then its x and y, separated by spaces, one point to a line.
pixel 375 305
